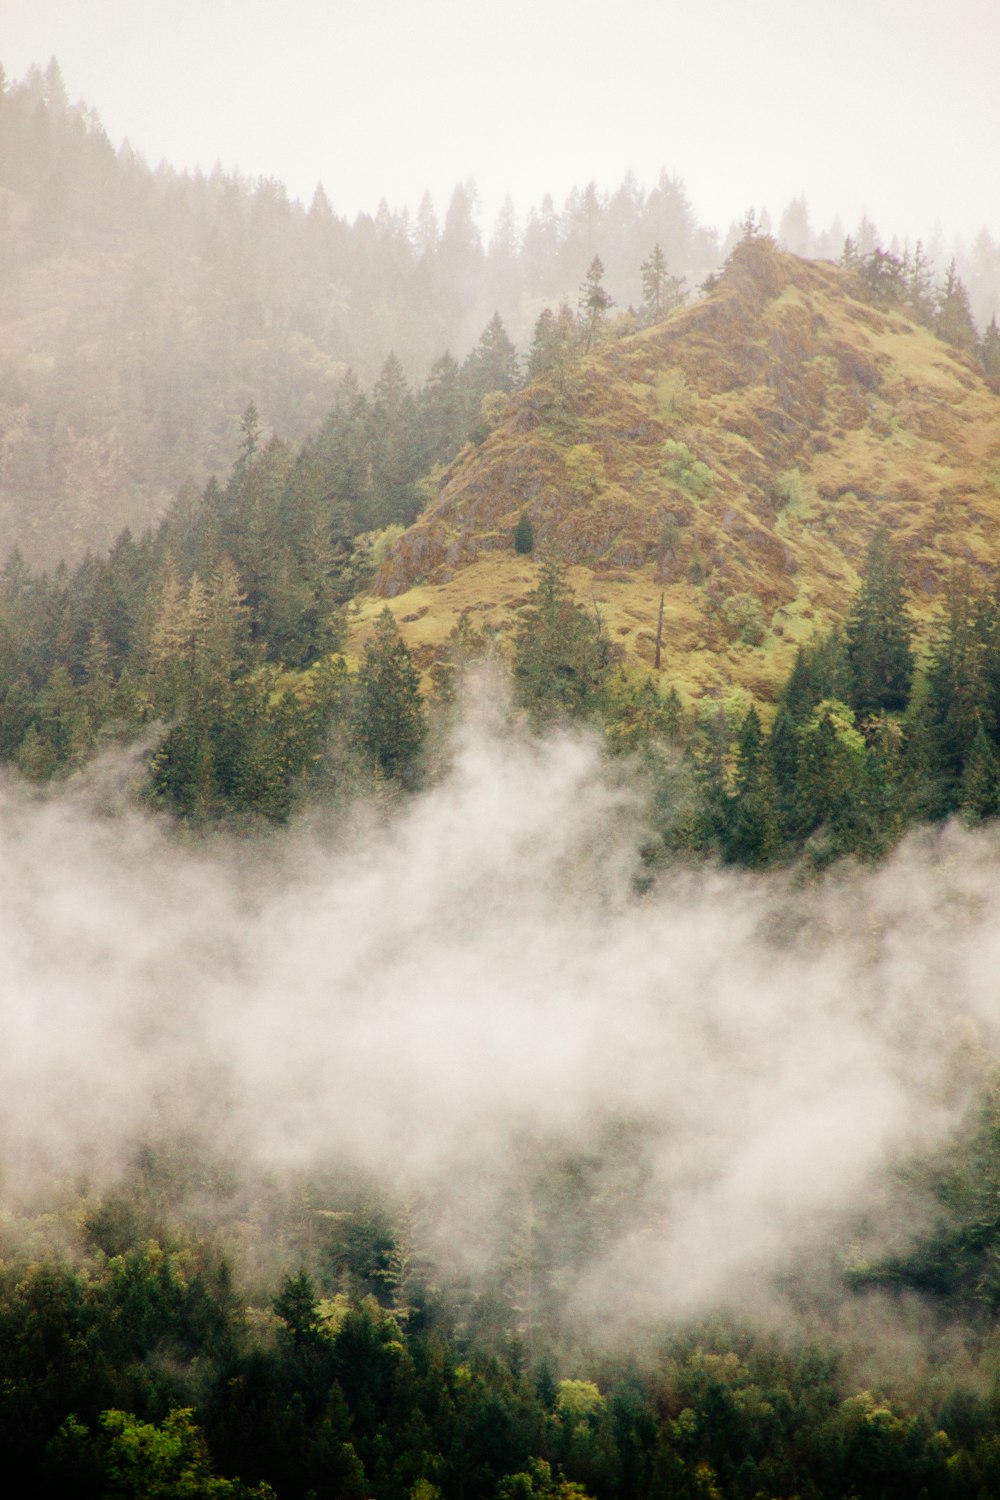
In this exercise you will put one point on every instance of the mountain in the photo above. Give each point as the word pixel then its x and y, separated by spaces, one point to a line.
pixel 737 457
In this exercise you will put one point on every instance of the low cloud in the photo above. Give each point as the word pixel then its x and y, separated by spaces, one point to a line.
pixel 440 994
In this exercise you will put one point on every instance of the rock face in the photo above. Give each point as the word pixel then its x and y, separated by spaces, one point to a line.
pixel 740 455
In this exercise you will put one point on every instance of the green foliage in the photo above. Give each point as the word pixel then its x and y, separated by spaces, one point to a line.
pixel 790 487
pixel 578 1400
pixel 636 712
pixel 953 316
pixel 744 614
pixel 524 535
pixel 681 466
pixel 390 721
pixel 661 292
pixel 878 635
pixel 594 303
pixel 562 656
pixel 296 1306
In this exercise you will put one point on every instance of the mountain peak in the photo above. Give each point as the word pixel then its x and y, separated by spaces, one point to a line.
pixel 737 456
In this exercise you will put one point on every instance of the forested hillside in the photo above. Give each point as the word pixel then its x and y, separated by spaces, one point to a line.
pixel 736 457
pixel 499 780
pixel 142 310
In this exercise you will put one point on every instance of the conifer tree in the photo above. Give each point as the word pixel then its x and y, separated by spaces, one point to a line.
pixel 957 689
pixel 393 448
pixel 524 535
pixel 953 320
pixel 830 772
pixel 752 834
pixel 878 635
pixel 561 655
pixel 442 410
pixel 918 275
pixel 390 716
pixel 980 783
pixel 556 336
pixel 492 365
pixel 989 353
pixel 595 302
pixel 661 292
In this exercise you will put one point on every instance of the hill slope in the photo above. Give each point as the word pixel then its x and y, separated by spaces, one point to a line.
pixel 738 457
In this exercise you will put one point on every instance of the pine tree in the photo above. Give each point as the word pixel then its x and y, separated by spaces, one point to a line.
pixel 953 320
pixel 661 292
pixel 980 783
pixel 393 448
pixel 989 353
pixel 957 689
pixel 524 535
pixel 492 365
pixel 442 412
pixel 561 655
pixel 752 833
pixel 594 303
pixel 829 777
pixel 390 716
pixel 556 337
pixel 878 635
pixel 918 275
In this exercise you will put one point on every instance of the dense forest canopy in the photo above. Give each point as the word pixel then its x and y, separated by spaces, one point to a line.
pixel 491 1071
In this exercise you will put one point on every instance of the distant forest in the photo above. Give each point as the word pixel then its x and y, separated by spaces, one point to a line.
pixel 142 311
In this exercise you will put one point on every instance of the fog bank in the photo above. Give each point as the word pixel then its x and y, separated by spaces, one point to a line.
pixel 435 994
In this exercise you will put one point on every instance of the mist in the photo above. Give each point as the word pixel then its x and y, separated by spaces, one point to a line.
pixel 440 993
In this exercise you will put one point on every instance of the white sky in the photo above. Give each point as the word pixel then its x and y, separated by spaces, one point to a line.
pixel 885 106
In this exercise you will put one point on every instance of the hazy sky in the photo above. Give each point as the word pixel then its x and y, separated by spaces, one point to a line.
pixel 888 106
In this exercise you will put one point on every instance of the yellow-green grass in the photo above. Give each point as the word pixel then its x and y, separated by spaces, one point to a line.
pixel 745 450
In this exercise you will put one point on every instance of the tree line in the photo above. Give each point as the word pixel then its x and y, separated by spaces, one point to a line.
pixel 215 291
pixel 136 1364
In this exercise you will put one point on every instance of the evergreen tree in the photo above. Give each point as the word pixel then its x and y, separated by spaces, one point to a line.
pixel 661 292
pixel 561 654
pixel 980 783
pixel 524 535
pixel 878 635
pixel 918 275
pixel 389 715
pixel 752 833
pixel 442 413
pixel 883 277
pixel 829 778
pixel 957 690
pixel 594 303
pixel 344 447
pixel 989 353
pixel 492 365
pixel 953 319
pixel 393 448
pixel 820 671
pixel 555 338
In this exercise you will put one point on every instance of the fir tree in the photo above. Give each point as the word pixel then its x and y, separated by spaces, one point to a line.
pixel 595 303
pixel 989 353
pixel 980 783
pixel 878 635
pixel 953 319
pixel 661 292
pixel 561 654
pixel 524 535
pixel 752 834
pixel 390 717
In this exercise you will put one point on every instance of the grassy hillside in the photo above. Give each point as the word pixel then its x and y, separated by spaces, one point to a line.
pixel 737 457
